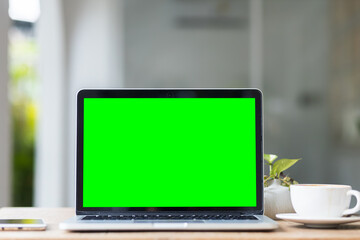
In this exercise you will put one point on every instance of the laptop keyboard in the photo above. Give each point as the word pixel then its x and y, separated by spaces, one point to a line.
pixel 168 217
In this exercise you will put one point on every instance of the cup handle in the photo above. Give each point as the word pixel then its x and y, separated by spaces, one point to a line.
pixel 355 209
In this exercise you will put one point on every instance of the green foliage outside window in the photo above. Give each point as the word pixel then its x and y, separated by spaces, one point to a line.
pixel 22 92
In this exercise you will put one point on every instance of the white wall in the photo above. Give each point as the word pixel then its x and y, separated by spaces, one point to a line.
pixel 297 59
pixel 161 54
pixel 296 47
pixel 5 128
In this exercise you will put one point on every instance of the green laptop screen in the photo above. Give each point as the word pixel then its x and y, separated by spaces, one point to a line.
pixel 169 152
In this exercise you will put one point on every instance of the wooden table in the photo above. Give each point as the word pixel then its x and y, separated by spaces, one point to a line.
pixel 53 216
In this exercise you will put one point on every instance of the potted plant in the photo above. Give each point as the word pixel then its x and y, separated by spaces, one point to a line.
pixel 277 191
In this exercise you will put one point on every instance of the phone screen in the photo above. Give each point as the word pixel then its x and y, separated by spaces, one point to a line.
pixel 21 221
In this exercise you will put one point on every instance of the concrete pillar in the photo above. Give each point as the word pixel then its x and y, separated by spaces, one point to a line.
pixel 5 128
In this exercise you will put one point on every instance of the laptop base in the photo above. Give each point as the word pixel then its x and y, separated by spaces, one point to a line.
pixel 77 224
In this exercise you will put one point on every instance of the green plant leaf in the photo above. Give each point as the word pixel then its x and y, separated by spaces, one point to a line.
pixel 281 165
pixel 270 157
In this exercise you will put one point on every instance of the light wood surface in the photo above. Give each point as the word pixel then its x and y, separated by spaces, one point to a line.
pixel 52 217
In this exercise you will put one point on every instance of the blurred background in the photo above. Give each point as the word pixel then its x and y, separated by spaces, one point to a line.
pixel 304 56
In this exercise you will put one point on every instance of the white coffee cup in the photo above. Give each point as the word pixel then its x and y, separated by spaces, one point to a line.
pixel 323 200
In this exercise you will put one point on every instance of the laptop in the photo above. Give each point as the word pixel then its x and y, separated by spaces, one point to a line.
pixel 169 159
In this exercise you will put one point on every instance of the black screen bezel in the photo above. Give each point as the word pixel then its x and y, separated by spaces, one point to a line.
pixel 169 93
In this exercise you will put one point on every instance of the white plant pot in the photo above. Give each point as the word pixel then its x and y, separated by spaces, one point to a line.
pixel 277 199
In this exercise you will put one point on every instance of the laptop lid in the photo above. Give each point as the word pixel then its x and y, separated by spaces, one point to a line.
pixel 169 150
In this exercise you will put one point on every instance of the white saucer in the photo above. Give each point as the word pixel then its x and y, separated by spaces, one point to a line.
pixel 319 222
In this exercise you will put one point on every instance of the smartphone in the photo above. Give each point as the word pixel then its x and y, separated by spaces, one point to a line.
pixel 22 225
